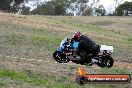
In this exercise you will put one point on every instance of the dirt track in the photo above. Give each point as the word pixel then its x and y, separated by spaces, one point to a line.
pixel 119 64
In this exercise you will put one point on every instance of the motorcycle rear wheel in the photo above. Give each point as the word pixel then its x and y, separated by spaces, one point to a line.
pixel 107 61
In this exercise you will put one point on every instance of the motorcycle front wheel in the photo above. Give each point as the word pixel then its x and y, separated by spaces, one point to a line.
pixel 60 57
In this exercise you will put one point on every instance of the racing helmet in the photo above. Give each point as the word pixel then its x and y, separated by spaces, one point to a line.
pixel 77 35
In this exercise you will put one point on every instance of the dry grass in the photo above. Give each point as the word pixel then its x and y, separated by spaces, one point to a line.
pixel 36 37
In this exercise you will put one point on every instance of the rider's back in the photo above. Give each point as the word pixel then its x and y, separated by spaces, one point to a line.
pixel 87 40
pixel 87 44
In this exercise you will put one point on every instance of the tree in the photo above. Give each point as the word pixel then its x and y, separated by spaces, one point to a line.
pixel 16 5
pixel 117 3
pixel 10 5
pixel 77 7
pixel 100 11
pixel 124 9
pixel 65 7
pixel 60 7
pixel 45 9
pixel 53 7
pixel 25 10
pixel 5 5
pixel 87 11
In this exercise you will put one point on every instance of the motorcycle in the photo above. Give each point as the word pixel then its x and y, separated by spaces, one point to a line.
pixel 66 53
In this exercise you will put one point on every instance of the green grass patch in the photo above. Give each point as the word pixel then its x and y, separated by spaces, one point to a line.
pixel 19 34
pixel 90 28
pixel 109 86
pixel 130 39
pixel 51 43
pixel 33 79
pixel 115 71
pixel 14 39
pixel 22 77
pixel 103 23
pixel 1 83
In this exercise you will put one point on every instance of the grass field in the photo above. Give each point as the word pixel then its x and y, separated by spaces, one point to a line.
pixel 27 44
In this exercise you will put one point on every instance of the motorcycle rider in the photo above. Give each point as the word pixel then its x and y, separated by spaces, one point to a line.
pixel 85 44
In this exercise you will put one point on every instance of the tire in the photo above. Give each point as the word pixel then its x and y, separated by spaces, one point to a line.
pixel 59 57
pixel 107 61
pixel 80 80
